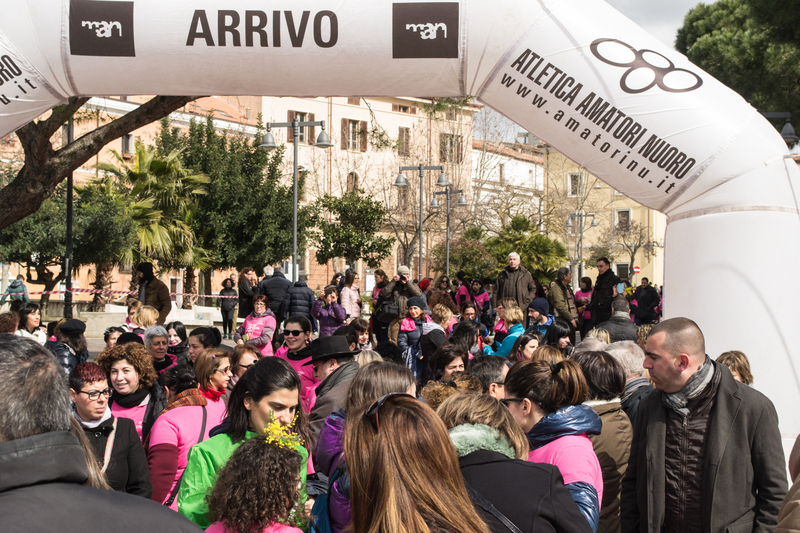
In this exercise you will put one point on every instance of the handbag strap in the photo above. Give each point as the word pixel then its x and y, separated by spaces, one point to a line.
pixel 109 447
pixel 490 508
pixel 174 493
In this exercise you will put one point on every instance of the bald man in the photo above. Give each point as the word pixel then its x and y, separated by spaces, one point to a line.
pixel 706 454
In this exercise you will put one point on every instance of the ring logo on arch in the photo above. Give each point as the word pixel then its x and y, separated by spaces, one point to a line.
pixel 646 68
pixel 425 30
pixel 101 28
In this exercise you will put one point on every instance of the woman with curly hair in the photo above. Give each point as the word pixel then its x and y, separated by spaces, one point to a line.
pixel 404 474
pixel 266 397
pixel 137 395
pixel 247 499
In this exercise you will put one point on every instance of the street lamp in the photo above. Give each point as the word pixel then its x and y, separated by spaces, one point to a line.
pixel 268 143
pixel 462 202
pixel 401 182
pixel 582 217
pixel 787 132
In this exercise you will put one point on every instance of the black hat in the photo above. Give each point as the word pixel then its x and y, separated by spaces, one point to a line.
pixel 73 326
pixel 127 337
pixel 325 348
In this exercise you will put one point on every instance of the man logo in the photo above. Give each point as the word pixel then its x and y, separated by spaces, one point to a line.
pixel 642 74
pixel 101 28
pixel 420 30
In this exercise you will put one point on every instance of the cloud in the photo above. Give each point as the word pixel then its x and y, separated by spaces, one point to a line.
pixel 659 18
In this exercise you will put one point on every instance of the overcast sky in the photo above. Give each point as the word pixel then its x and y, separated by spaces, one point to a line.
pixel 661 18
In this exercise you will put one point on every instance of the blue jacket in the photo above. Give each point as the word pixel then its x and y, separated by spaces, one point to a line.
pixel 572 420
pixel 508 343
pixel 541 328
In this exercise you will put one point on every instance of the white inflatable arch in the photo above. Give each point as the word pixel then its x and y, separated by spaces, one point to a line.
pixel 577 73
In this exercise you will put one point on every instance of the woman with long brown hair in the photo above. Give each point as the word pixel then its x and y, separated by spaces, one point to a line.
pixel 404 474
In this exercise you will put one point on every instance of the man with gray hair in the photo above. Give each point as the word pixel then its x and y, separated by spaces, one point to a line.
pixel 706 455
pixel 515 282
pixel 619 326
pixel 43 469
pixel 562 300
pixel 637 386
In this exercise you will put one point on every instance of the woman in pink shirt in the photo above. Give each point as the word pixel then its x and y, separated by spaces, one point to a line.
pixel 296 336
pixel 351 296
pixel 547 401
pixel 257 500
pixel 187 420
pixel 582 299
pixel 258 327
pixel 137 395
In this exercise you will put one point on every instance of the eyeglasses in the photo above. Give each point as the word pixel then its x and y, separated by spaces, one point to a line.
pixel 444 281
pixel 94 395
pixel 375 407
pixel 259 304
pixel 292 332
pixel 505 401
pixel 246 366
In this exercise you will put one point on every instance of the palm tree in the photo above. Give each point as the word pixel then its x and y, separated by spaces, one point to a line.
pixel 161 197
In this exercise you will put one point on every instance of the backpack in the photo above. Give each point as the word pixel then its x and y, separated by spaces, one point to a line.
pixel 320 513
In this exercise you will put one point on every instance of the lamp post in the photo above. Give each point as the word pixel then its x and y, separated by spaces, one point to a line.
pixel 787 132
pixel 268 143
pixel 401 182
pixel 580 215
pixel 462 202
pixel 68 253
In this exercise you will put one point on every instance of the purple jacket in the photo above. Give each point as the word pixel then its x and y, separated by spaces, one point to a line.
pixel 328 456
pixel 330 317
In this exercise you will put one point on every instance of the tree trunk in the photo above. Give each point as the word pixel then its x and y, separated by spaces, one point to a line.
pixel 189 286
pixel 208 302
pixel 45 277
pixel 45 167
pixel 102 281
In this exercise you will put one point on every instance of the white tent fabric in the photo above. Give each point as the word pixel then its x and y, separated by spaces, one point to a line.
pixel 576 73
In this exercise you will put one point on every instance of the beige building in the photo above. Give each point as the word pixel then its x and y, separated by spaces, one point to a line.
pixel 584 213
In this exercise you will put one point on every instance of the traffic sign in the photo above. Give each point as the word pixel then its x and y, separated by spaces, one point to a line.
pixel 636 270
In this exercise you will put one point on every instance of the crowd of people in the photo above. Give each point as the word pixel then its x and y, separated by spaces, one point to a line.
pixel 454 408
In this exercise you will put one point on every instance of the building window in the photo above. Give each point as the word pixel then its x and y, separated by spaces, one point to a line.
pixel 450 115
pixel 352 181
pixel 306 135
pixel 623 271
pixel 450 149
pixel 623 220
pixel 501 170
pixel 354 135
pixel 575 185
pixel 353 101
pixel 127 142
pixel 397 108
pixel 404 142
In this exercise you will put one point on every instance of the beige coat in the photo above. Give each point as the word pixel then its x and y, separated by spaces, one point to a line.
pixel 789 516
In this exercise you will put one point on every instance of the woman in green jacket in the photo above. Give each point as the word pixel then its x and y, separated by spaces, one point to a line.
pixel 266 396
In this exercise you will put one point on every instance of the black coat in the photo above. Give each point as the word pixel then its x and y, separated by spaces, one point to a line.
pixel 275 291
pixel 68 358
pixel 127 470
pixel 42 489
pixel 227 304
pixel 620 328
pixel 245 297
pixel 299 300
pixel 603 293
pixel 744 475
pixel 531 495
pixel 647 300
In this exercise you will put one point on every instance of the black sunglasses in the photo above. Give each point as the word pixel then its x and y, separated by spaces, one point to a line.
pixel 372 412
pixel 292 332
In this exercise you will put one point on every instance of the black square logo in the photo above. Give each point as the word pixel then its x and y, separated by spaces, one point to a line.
pixel 425 30
pixel 100 28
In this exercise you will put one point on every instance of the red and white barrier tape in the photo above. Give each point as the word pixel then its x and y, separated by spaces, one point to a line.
pixel 132 293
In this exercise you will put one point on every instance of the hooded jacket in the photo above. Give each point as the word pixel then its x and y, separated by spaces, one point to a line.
pixel 531 495
pixel 66 355
pixel 299 300
pixel 330 316
pixel 561 438
pixel 16 291
pixel 42 489
pixel 508 342
pixel 329 455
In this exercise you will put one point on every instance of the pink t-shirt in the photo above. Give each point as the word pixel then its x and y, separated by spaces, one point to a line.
pixel 575 458
pixel 219 527
pixel 308 383
pixel 580 295
pixel 134 413
pixel 180 427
